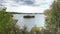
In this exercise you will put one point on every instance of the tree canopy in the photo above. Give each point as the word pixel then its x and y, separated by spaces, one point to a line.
pixel 53 15
pixel 7 23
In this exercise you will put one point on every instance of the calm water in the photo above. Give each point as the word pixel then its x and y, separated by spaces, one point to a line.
pixel 30 22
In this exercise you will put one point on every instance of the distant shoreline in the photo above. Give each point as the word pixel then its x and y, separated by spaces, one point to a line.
pixel 23 13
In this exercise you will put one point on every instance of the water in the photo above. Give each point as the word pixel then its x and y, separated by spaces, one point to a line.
pixel 30 22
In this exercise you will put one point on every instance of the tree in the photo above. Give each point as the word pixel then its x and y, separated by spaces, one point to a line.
pixel 7 23
pixel 53 17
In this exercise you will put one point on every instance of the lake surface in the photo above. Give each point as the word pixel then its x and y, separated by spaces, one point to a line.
pixel 30 22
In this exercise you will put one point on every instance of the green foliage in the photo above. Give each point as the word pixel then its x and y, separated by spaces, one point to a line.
pixel 7 24
pixel 35 30
pixel 54 14
pixel 53 18
pixel 47 12
pixel 24 30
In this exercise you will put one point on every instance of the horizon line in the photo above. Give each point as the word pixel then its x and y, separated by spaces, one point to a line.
pixel 23 13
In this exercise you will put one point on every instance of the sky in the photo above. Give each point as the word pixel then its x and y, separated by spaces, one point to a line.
pixel 26 6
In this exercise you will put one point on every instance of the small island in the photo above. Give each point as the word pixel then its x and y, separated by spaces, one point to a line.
pixel 29 16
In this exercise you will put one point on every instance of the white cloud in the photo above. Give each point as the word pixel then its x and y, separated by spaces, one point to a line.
pixel 38 6
pixel 25 9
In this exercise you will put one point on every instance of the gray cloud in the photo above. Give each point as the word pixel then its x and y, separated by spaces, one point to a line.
pixel 2 3
pixel 16 3
pixel 26 2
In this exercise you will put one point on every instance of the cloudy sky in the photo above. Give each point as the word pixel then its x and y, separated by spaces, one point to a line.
pixel 26 6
